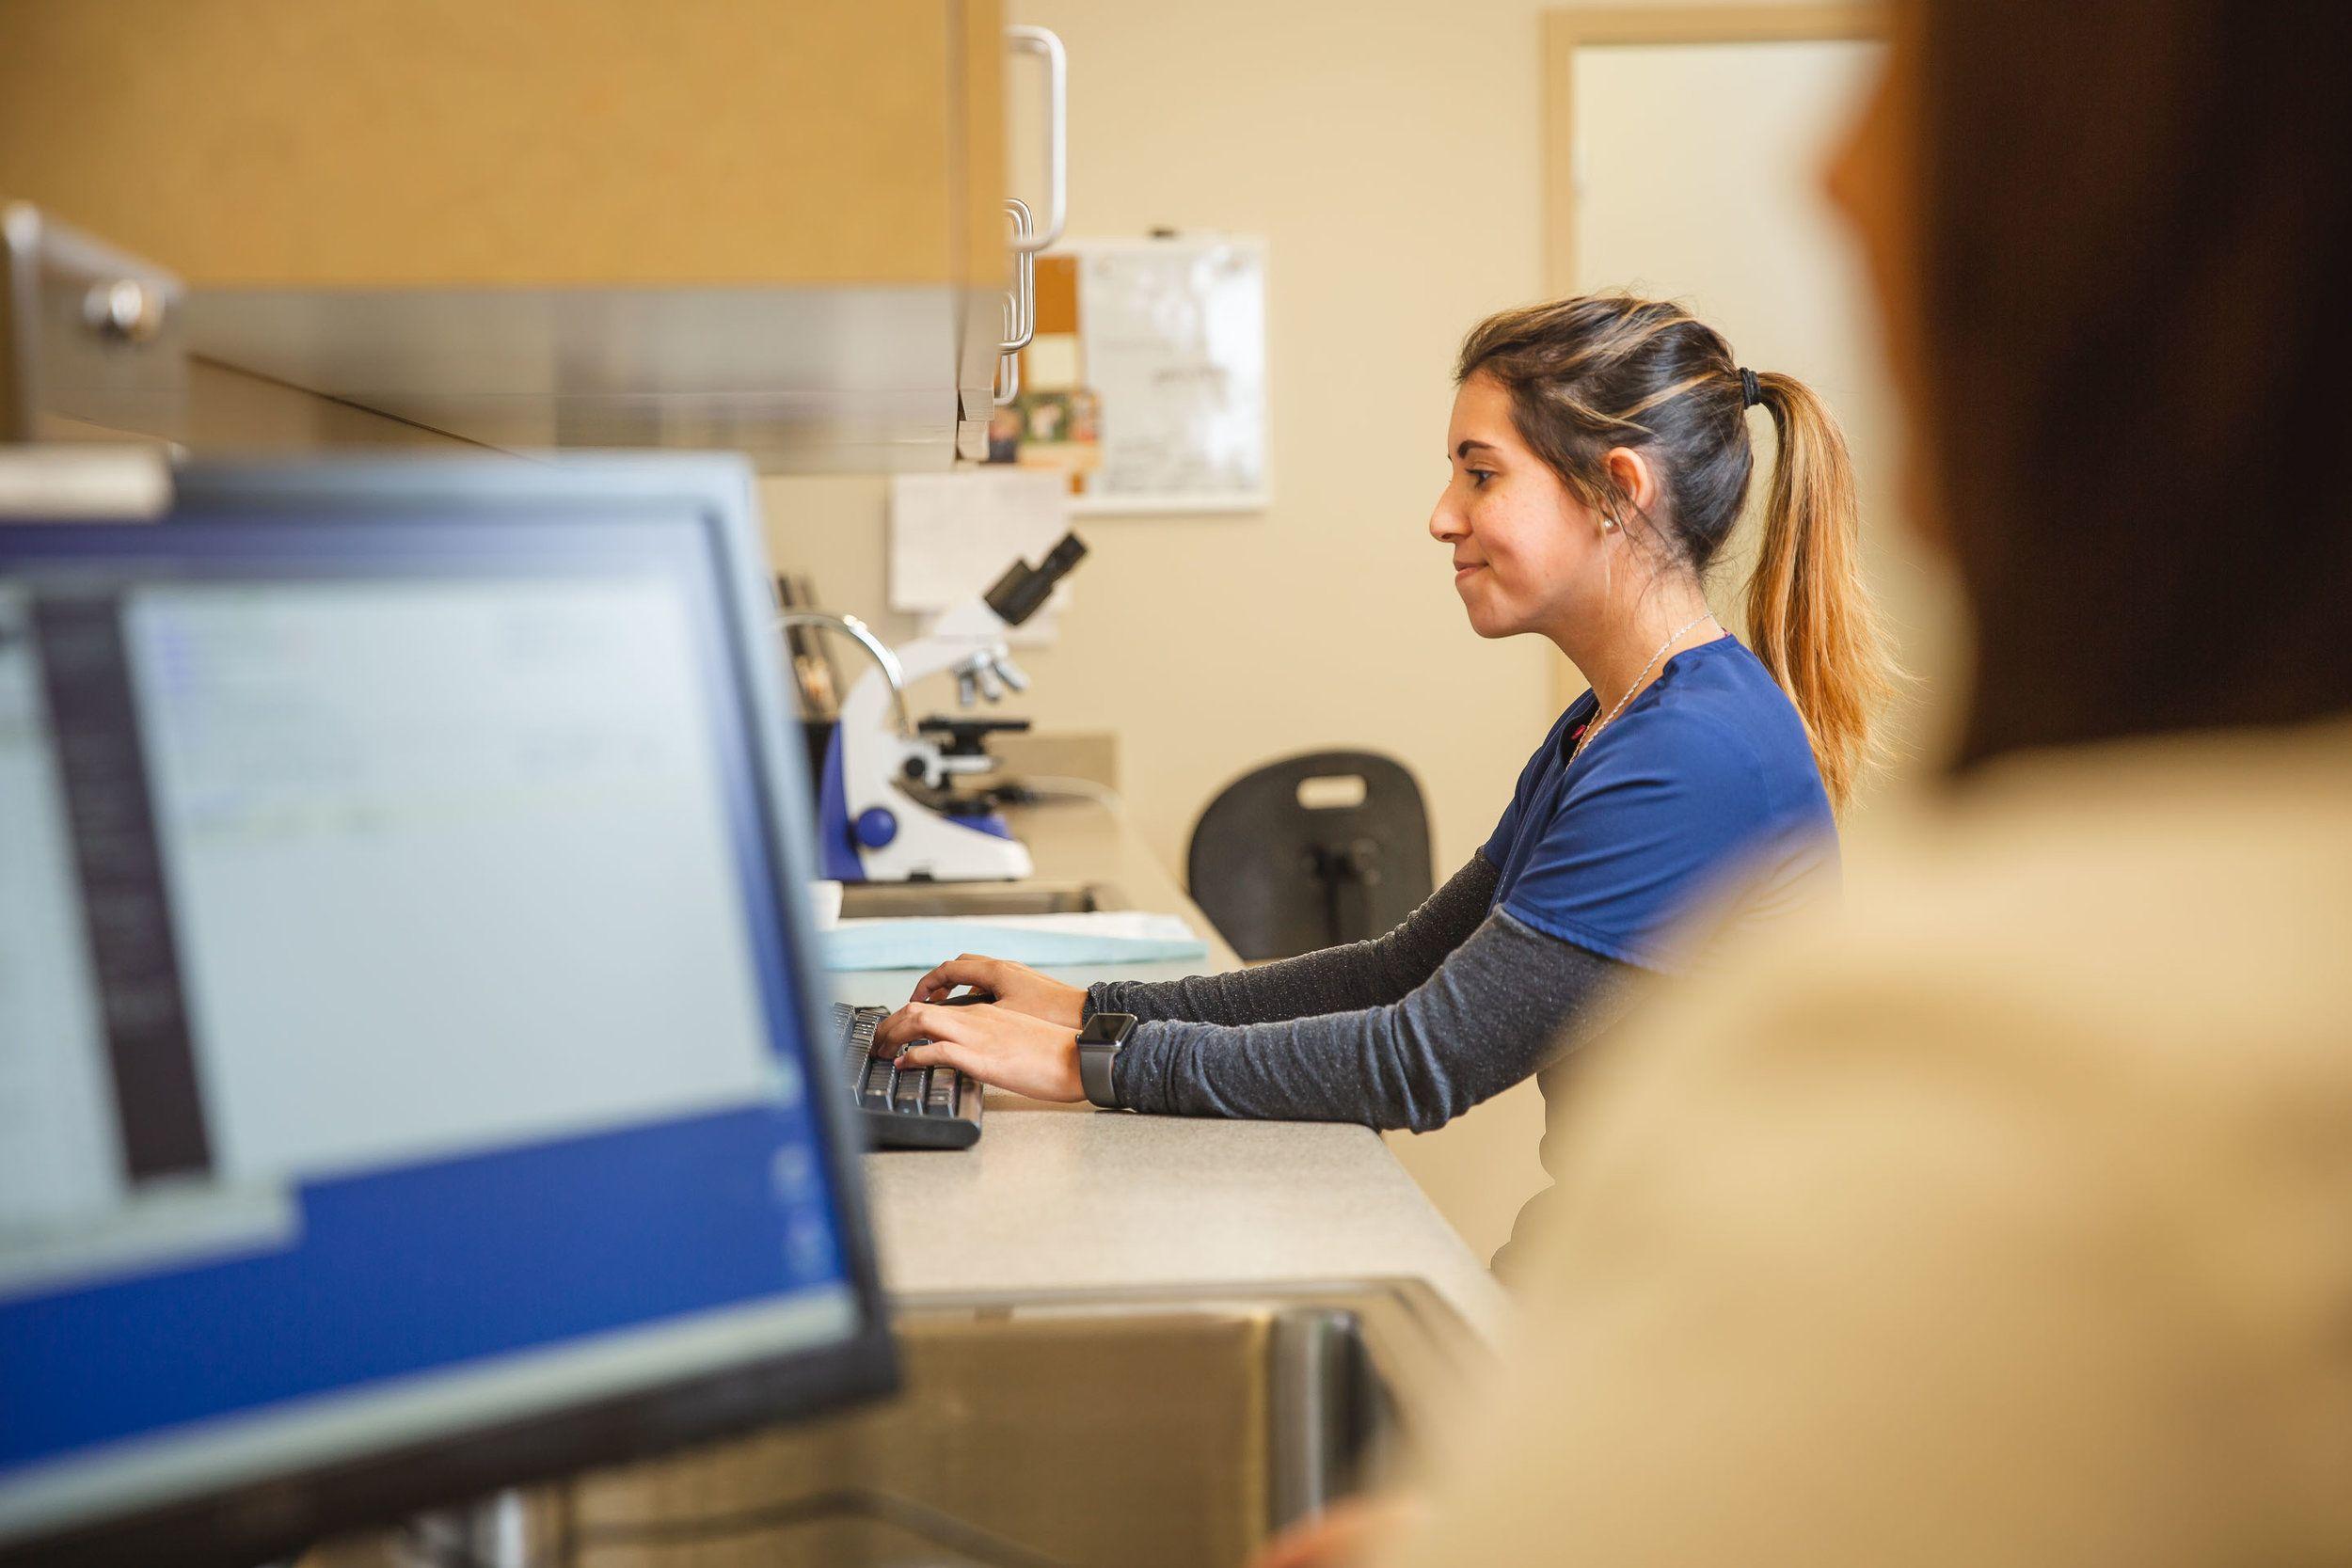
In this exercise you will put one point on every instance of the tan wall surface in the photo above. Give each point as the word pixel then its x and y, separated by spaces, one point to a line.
pixel 1390 153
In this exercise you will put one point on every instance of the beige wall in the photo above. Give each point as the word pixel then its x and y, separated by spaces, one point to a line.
pixel 1389 153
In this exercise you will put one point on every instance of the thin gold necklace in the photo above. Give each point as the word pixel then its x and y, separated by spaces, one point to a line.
pixel 1586 738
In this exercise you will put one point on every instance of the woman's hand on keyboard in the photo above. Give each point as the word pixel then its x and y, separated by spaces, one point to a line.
pixel 993 1044
pixel 1018 988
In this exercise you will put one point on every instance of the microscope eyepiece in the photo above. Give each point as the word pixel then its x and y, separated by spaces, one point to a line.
pixel 1023 589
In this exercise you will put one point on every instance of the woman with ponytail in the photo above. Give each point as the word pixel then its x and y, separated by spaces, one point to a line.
pixel 1598 458
pixel 1638 411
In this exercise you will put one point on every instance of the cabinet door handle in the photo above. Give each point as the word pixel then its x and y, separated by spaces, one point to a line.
pixel 1007 384
pixel 1024 291
pixel 1041 41
pixel 1020 305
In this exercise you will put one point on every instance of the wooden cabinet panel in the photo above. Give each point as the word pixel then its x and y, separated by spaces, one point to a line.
pixel 406 142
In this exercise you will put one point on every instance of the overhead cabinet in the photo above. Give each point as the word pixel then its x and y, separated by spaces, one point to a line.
pixel 780 226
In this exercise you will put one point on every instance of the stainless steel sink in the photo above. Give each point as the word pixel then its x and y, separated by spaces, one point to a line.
pixel 1083 1431
pixel 870 900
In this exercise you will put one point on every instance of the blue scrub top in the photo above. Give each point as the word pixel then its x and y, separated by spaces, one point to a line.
pixel 1705 783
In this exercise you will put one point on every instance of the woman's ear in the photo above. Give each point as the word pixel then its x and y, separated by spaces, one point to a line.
pixel 1631 475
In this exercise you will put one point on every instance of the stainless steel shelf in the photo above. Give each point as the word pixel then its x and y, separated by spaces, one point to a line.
pixel 807 378
pixel 804 379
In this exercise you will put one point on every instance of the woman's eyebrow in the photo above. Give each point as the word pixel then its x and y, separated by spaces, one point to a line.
pixel 1464 450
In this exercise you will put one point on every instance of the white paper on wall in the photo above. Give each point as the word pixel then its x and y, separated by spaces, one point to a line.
pixel 1174 346
pixel 953 534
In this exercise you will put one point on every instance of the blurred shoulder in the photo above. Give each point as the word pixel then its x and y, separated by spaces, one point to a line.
pixel 2049 1131
pixel 2169 914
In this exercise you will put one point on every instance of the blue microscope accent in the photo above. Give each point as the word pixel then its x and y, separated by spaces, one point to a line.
pixel 875 827
pixel 833 819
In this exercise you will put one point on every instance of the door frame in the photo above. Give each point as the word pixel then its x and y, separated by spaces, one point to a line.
pixel 1569 28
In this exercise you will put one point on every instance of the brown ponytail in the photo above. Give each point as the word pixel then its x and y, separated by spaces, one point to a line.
pixel 1810 616
pixel 1606 370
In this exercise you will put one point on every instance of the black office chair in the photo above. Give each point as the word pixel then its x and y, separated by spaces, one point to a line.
pixel 1326 848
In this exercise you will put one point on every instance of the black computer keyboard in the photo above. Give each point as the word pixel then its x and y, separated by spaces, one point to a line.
pixel 934 1107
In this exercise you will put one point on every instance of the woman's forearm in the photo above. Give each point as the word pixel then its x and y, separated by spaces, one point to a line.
pixel 1361 975
pixel 1495 1010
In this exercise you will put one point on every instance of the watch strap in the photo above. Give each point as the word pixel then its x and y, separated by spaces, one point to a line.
pixel 1097 1057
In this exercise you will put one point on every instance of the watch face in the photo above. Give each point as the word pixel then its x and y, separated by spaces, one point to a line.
pixel 1106 1029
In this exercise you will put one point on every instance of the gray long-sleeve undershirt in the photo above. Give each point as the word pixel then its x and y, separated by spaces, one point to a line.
pixel 1408 1030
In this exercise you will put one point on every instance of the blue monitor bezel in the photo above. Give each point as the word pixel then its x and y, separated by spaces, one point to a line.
pixel 281 1511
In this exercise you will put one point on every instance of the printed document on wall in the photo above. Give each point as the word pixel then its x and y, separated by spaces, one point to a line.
pixel 1175 348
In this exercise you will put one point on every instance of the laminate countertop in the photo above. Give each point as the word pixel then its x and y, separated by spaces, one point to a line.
pixel 1057 1197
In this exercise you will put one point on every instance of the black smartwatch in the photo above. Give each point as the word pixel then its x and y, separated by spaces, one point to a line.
pixel 1098 1048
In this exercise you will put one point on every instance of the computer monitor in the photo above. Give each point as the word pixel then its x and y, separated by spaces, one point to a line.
pixel 410 1065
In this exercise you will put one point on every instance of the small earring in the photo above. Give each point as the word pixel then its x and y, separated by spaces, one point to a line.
pixel 1609 525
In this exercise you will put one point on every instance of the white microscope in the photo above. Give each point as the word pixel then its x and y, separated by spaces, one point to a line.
pixel 887 809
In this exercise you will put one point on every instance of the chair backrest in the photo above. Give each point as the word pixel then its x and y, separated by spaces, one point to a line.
pixel 1325 847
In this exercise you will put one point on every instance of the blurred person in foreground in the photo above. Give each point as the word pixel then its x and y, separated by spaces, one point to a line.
pixel 2008 1220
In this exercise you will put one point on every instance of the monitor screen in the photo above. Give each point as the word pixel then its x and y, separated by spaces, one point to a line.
pixel 403 1035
